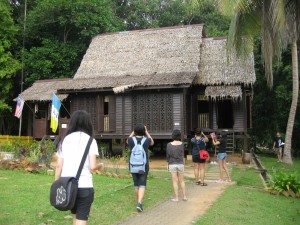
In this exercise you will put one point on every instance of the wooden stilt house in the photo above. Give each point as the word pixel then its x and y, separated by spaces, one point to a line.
pixel 166 78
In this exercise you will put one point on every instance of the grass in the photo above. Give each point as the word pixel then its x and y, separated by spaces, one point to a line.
pixel 271 164
pixel 240 205
pixel 247 176
pixel 243 206
pixel 24 199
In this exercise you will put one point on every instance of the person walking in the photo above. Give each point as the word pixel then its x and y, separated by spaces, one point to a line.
pixel 140 179
pixel 175 159
pixel 222 156
pixel 278 145
pixel 69 155
pixel 199 143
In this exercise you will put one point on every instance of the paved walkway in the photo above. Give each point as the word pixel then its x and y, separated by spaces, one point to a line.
pixel 200 198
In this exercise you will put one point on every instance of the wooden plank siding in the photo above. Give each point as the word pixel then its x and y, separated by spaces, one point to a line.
pixel 127 115
pixel 87 103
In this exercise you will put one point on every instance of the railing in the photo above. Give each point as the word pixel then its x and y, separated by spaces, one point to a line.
pixel 203 120
pixel 106 123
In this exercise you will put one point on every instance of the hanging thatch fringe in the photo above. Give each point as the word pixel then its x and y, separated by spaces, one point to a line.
pixel 123 88
pixel 221 92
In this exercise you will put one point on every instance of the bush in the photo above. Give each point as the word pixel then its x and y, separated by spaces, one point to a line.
pixel 287 184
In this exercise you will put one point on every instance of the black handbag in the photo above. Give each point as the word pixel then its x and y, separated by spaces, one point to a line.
pixel 63 192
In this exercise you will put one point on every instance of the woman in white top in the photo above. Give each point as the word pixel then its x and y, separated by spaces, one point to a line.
pixel 70 154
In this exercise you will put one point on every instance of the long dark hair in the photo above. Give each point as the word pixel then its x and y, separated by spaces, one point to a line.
pixel 80 121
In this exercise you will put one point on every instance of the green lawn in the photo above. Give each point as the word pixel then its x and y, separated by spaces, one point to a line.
pixel 24 199
pixel 271 164
pixel 241 205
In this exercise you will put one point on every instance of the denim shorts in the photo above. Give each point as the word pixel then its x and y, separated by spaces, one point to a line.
pixel 222 156
pixel 139 180
pixel 84 200
pixel 174 168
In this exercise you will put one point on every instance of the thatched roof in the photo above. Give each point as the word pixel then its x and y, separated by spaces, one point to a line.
pixel 160 51
pixel 220 92
pixel 123 83
pixel 172 57
pixel 42 90
pixel 214 69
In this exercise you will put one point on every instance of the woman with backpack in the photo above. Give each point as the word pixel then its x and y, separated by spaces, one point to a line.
pixel 139 136
pixel 199 143
pixel 175 159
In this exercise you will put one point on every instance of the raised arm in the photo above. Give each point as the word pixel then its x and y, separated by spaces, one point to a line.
pixel 149 136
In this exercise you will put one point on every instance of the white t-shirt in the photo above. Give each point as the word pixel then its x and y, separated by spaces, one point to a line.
pixel 72 150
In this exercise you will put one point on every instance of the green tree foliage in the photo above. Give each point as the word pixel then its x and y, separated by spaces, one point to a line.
pixel 207 13
pixel 141 14
pixel 58 34
pixel 8 64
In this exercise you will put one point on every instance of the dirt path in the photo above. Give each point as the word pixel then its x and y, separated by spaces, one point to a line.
pixel 182 213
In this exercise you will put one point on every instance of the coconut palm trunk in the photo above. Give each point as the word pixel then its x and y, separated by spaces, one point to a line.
pixel 287 158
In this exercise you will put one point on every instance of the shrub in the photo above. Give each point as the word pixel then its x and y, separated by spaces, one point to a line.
pixel 284 183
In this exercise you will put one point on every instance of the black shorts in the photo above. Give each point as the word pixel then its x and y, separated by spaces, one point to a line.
pixel 196 159
pixel 85 198
pixel 139 180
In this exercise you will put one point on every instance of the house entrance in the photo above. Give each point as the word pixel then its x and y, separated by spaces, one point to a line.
pixel 225 114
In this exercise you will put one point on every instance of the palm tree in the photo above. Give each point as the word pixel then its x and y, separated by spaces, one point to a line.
pixel 277 23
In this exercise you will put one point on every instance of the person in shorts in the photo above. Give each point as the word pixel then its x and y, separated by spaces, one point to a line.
pixel 69 155
pixel 175 159
pixel 278 146
pixel 140 180
pixel 199 143
pixel 222 156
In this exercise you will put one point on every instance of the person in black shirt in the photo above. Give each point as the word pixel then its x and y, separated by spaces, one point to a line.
pixel 278 146
pixel 222 155
pixel 199 143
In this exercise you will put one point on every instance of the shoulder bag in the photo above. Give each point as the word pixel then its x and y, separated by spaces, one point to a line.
pixel 63 192
pixel 202 152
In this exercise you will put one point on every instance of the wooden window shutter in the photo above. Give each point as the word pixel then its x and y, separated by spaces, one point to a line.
pixel 112 113
pixel 100 107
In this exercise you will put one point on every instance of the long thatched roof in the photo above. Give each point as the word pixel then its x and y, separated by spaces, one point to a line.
pixel 42 90
pixel 163 57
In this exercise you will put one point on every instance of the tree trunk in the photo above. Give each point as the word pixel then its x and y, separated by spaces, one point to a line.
pixel 287 157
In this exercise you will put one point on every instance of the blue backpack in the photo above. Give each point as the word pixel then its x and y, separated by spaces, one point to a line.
pixel 138 157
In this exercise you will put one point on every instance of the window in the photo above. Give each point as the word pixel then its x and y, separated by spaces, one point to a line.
pixel 107 113
pixel 203 111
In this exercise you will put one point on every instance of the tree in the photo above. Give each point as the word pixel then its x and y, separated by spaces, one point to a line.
pixel 9 65
pixel 277 22
pixel 59 32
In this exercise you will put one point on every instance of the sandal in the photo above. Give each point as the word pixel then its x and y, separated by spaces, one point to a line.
pixel 184 199
pixel 174 200
pixel 198 183
pixel 203 184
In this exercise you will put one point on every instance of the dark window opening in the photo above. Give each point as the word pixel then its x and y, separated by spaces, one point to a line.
pixel 106 105
pixel 225 114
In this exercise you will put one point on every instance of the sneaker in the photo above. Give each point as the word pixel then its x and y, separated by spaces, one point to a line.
pixel 220 181
pixel 139 207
